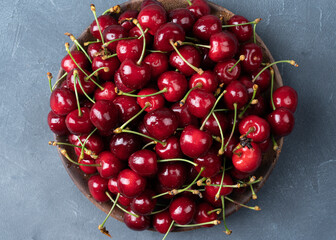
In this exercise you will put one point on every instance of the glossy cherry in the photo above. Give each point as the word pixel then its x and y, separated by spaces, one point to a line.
pixel 286 97
pixel 206 26
pixel 231 145
pixel 253 56
pixel 211 191
pixel 122 145
pixel 129 49
pixel 104 116
pixel 110 165
pixel 259 108
pixel 243 32
pixel 191 54
pixel 223 46
pixel 183 115
pixel 165 33
pixel 200 102
pixel 111 33
pixel 119 84
pixel 62 101
pixel 131 184
pixel 199 8
pixel 211 124
pixel 94 143
pixel 127 107
pixel 182 17
pixel 265 145
pixel 202 216
pixel 139 223
pixel 144 204
pixel 88 169
pixel 208 79
pixel 247 82
pixel 172 175
pixel 136 32
pixel 98 187
pixel 133 75
pixel 113 185
pixel 104 22
pixel 281 121
pixel 171 150
pixel 144 163
pixel 263 80
pixel 206 63
pixel 107 94
pixel 211 163
pixel 111 63
pixel 93 49
pixel 258 127
pixel 68 64
pixel 57 123
pixel 152 17
pixel 223 73
pixel 246 159
pixel 235 93
pixel 158 63
pixel 175 83
pixel 142 129
pixel 79 124
pixel 162 221
pixel 87 84
pixel 127 25
pixel 156 101
pixel 182 210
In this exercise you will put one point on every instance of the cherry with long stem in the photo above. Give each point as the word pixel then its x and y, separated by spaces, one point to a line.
pixel 252 101
pixel 81 87
pixel 227 230
pixel 101 226
pixel 72 37
pixel 81 156
pixel 241 58
pixel 66 155
pixel 254 23
pixel 182 102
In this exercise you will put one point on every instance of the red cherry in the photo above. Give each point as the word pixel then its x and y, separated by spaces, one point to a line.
pixel 222 71
pixel 134 76
pixel 156 101
pixel 247 82
pixel 238 174
pixel 165 33
pixel 211 124
pixel 162 221
pixel 191 54
pixel 206 62
pixel 119 84
pixel 259 126
pixel 253 56
pixel 114 32
pixel 143 204
pixel 259 108
pixel 158 63
pixel 182 17
pixel 182 210
pixel 235 93
pixel 131 184
pixel 183 115
pixel 87 169
pixel 122 145
pixel 68 64
pixel 128 25
pixel 175 83
pixel 98 187
pixel 243 32
pixel 263 80
pixel 107 94
pixel 152 17
pixel 195 142
pixel 265 145
pixel 79 124
pixel 110 165
pixel 93 49
pixel 139 223
pixel 282 121
pixel 104 116
pixel 286 97
pixel 200 103
pixel 208 80
pixel 111 63
pixel 62 101
pixel 125 201
pixel 211 164
pixel 246 159
pixel 104 22
pixel 127 107
pixel 129 49
pixel 202 216
pixel 211 191
pixel 94 143
pixel 143 162
pixel 232 144
pixel 149 2
pixel 113 185
pixel 170 150
pixel 199 8
pixel 57 124
pixel 223 46
pixel 206 26
pixel 87 85
pixel 142 129
pixel 172 175
pixel 136 32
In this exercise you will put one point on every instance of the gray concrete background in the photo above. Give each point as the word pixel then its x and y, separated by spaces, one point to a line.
pixel 38 201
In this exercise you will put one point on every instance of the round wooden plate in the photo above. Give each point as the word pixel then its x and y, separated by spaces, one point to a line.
pixel 269 158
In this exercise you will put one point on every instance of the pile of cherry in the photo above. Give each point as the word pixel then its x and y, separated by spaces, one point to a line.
pixel 169 112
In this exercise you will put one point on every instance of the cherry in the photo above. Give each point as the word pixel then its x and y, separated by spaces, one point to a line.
pixel 199 8
pixel 107 94
pixel 162 221
pixel 206 62
pixel 94 48
pixel 175 83
pixel 127 107
pixel 263 80
pixel 62 101
pixel 190 54
pixel 202 214
pixel 246 159
pixel 98 187
pixel 182 210
pixel 183 115
pixel 57 124
pixel 122 20
pixel 259 108
pixel 130 184
pixel 211 191
pixel 182 17
pixel 125 201
pixel 158 63
pixel 79 76
pixel 129 49
pixel 257 128
pixel 136 32
pixel 172 175
pixel 265 145
pixel 156 101
pixel 211 164
pixel 122 145
pixel 87 169
pixel 142 129
pixel 281 121
pixel 227 72
pixel 79 124
pixel 208 80
pixel 195 142
pixel 119 84
pixel 247 82
pixel 111 63
pixel 161 123
pixel 152 17
pixel 286 97
pixel 94 143
pixel 139 223
pixel 104 22
pixel 243 32
pixel 253 56
pixel 113 32
pixel 113 185
pixel 207 26
pixel 200 102
pixel 110 165
pixel 236 93
pixel 230 146
pixel 149 2
pixel 166 33
pixel 144 204
pixel 223 46
pixel 104 116
pixel 133 75
pixel 68 64
pixel 211 124
pixel 171 150
pixel 143 162
pixel 238 174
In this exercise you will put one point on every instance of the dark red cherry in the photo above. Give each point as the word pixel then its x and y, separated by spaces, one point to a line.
pixel 195 142
pixel 143 162
pixel 211 163
pixel 136 32
pixel 114 32
pixel 211 191
pixel 57 124
pixel 281 121
pixel 119 84
pixel 247 82
pixel 183 115
pixel 208 80
pixel 211 124
pixel 223 46
pixel 235 93
pixel 149 2
pixel 158 62
pixel 86 103
pixel 265 145
pixel 244 32
pixel 152 17
pixel 107 94
pixel 94 143
pixel 131 184
pixel 134 76
pixel 172 175
pixel 199 8
pixel 122 145
pixel 156 101
pixel 110 165
pixel 161 123
pixel 232 144
pixel 202 216
pixel 253 56
pixel 62 101
pixel 79 124
pixel 98 187
pixel 129 49
pixel 238 174
pixel 104 22
pixel 175 83
pixel 182 17
pixel 222 71
pixel 285 97
pixel 206 26
pixel 104 116
pixel 113 185
pixel 162 221
pixel 246 159
pixel 200 102
pixel 191 54
pixel 139 223
pixel 259 127
pixel 68 64
pixel 87 169
pixel 182 210
pixel 93 49
pixel 170 150
pixel 112 64
pixel 263 80
pixel 125 201
pixel 87 85
pixel 206 62
pixel 144 204
pixel 128 25
pixel 259 108
pixel 142 129
pixel 127 107
pixel 165 33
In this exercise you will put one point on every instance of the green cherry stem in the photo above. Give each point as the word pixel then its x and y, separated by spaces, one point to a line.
pixel 252 101
pixel 145 31
pixel 60 79
pixel 170 227
pixel 192 39
pixel 182 102
pixel 155 51
pixel 275 145
pixel 243 24
pixel 227 230
pixel 81 156
pixel 115 9
pixel 177 160
pixel 143 135
pixel 93 9
pixel 136 23
pixel 120 207
pixel 87 151
pixel 79 46
pixel 254 195
pixel 221 183
pixel 101 226
pixel 76 94
pixel 50 77
pixel 180 43
pixel 241 58
pixel 148 144
pixel 233 127
pixel 189 2
pixel 256 208
pixel 272 87
pixel 214 222
pixel 90 42
pixel 81 87
pixel 221 150
pixel 105 57
pixel 222 110
pixel 106 69
pixel 118 39
pixel 158 211
pixel 65 154
pixel 141 96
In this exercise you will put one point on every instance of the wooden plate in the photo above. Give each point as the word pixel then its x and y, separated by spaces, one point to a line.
pixel 269 159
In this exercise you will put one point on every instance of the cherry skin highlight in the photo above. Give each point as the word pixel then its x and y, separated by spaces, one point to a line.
pixel 286 97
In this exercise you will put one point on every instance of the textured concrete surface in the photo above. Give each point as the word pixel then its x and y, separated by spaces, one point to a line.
pixel 38 201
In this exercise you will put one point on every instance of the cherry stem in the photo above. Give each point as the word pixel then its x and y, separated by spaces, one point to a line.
pixel 189 2
pixel 198 70
pixel 182 102
pixel 218 185
pixel 256 208
pixel 143 135
pixel 115 40
pixel 120 129
pixel 115 9
pixel 81 156
pixel 158 211
pixel 90 42
pixel 177 159
pixel 170 227
pixel 87 151
pixel 106 69
pixel 142 96
pixel 79 46
pixel 146 30
pixel 192 39
pixel 233 127
pixel 76 94
pixel 101 226
pixel 148 144
pixel 242 24
pixel 212 109
pixel 254 195
pixel 65 154
pixel 81 87
pixel 221 183
pixel 136 22
pixel 241 58
pixel 214 222
pixel 216 210
pixel 272 87
pixel 275 145
pixel 180 43
pixel 50 77
pixel 155 51
pixel 255 88
pixel 109 56
pixel 93 9
pixel 120 207
pixel 227 230
pixel 221 150
pixel 60 79
pixel 222 110
pixel 250 130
